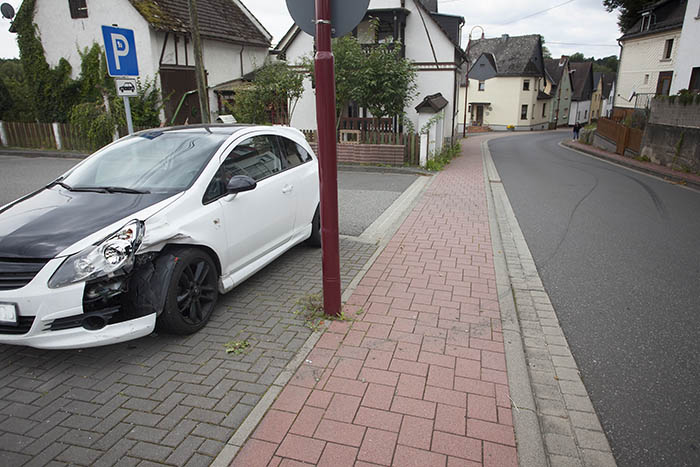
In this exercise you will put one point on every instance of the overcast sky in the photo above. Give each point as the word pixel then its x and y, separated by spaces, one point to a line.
pixel 575 26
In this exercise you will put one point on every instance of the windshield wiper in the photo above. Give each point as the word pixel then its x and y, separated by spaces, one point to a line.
pixel 77 189
pixel 121 189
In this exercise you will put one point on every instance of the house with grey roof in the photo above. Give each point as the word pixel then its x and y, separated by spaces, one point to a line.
pixel 430 39
pixel 558 76
pixel 582 81
pixel 507 84
pixel 648 53
pixel 234 42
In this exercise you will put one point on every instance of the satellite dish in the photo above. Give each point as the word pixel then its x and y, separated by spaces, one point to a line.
pixel 7 11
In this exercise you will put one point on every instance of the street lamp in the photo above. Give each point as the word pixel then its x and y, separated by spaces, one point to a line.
pixel 466 84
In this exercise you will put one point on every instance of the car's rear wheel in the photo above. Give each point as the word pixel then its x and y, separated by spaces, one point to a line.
pixel 192 293
pixel 315 238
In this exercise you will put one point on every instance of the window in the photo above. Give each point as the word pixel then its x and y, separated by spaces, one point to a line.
pixel 544 109
pixel 694 84
pixel 295 154
pixel 523 112
pixel 258 157
pixel 526 85
pixel 78 8
pixel 668 48
pixel 646 79
pixel 482 85
pixel 646 21
pixel 585 115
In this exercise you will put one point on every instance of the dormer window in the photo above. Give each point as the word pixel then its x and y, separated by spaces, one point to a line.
pixel 78 9
pixel 646 21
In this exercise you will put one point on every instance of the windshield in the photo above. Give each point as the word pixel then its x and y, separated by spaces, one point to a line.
pixel 156 162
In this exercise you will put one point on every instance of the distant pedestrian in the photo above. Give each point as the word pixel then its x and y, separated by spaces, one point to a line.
pixel 577 129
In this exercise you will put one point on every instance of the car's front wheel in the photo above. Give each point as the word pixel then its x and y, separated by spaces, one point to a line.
pixel 192 293
pixel 315 238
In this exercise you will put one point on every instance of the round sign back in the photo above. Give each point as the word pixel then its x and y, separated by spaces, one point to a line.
pixel 345 15
pixel 7 10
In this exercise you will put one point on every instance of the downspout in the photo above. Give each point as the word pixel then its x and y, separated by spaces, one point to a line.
pixel 241 59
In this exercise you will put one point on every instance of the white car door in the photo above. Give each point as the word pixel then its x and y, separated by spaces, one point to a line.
pixel 261 220
pixel 300 162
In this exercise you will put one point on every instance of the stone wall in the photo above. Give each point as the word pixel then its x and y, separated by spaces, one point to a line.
pixel 672 135
pixel 665 112
pixel 386 154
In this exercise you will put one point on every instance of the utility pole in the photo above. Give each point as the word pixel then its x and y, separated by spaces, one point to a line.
pixel 199 63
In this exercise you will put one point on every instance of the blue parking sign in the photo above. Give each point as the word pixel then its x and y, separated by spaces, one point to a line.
pixel 120 49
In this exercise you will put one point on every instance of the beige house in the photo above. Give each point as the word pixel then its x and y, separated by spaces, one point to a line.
pixel 506 88
pixel 648 54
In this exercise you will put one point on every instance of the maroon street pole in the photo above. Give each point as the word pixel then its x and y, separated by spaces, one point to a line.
pixel 328 167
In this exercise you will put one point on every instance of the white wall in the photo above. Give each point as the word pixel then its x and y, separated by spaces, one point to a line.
pixel 304 117
pixel 688 56
pixel 640 57
pixel 62 36
pixel 580 111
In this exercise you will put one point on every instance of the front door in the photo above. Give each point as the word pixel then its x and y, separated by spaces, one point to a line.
pixel 663 87
pixel 479 115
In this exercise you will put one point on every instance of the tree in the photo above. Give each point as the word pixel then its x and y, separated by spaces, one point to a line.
pixel 545 50
pixel 629 11
pixel 276 88
pixel 577 58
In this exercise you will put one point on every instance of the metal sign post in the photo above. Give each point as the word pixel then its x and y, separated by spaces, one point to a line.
pixel 120 49
pixel 126 88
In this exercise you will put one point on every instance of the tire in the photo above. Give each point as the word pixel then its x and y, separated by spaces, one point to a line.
pixel 315 238
pixel 192 293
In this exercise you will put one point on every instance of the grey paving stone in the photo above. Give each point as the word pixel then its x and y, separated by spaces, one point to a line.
pixel 559 444
pixel 588 439
pixel 598 459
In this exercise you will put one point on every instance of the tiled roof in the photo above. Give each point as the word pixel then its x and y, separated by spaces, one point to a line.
pixel 433 103
pixel 582 80
pixel 514 55
pixel 218 19
pixel 665 15
pixel 555 68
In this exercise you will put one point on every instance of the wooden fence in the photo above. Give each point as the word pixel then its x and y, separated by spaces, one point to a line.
pixel 30 135
pixel 410 142
pixel 624 137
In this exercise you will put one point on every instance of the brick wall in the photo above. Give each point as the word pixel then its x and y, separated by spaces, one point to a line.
pixel 388 154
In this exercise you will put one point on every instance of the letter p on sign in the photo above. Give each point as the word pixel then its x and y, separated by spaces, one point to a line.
pixel 120 49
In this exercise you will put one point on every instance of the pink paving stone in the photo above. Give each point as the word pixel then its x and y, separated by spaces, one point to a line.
pixel 339 327
pixel 483 408
pixel 379 331
pixel 468 368
pixel 495 376
pixel 445 396
pixel 416 432
pixel 378 359
pixel 352 352
pixel 306 376
pixel 407 351
pixel 255 453
pixel 345 386
pixel 380 419
pixel 372 375
pixel 451 419
pixel 488 431
pixel 378 396
pixel 404 324
pixel 301 448
pixel 505 416
pixel 343 408
pixel 378 447
pixel 412 368
pixel 275 462
pixel 291 463
pixel 441 377
pixel 291 399
pixel 496 455
pixel 354 338
pixel 274 426
pixel 437 359
pixel 410 457
pixel 329 341
pixel 418 408
pixel 379 344
pixel 463 352
pixel 459 462
pixel 339 432
pixel 307 421
pixel 319 357
pixel 360 326
pixel 458 446
pixel 410 386
pixel 338 455
pixel 502 396
pixel 347 368
pixel 319 398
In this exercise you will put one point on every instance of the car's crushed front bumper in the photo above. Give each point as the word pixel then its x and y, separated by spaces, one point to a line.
pixel 61 318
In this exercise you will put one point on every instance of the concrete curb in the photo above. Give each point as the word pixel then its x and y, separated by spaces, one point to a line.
pixel 528 434
pixel 384 169
pixel 391 224
pixel 679 178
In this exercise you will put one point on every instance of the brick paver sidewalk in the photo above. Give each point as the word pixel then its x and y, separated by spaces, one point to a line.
pixel 419 378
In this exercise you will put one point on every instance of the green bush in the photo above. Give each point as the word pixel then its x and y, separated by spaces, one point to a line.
pixel 439 161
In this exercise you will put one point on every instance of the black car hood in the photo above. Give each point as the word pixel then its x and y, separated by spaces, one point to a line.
pixel 47 222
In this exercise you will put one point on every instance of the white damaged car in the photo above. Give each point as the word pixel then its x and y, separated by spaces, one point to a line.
pixel 149 230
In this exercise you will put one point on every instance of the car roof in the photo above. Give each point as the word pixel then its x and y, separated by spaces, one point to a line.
pixel 225 129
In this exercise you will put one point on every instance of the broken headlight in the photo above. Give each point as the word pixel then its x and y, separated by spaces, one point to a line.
pixel 106 258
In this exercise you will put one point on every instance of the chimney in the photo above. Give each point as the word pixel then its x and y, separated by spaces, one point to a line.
pixel 505 37
pixel 563 60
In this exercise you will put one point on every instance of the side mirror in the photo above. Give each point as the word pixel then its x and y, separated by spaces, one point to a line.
pixel 239 184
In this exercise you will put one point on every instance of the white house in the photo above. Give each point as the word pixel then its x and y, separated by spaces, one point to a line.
pixel 649 50
pixel 234 42
pixel 430 40
pixel 582 79
pixel 686 72
pixel 507 82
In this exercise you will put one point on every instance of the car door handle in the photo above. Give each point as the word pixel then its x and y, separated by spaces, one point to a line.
pixel 287 189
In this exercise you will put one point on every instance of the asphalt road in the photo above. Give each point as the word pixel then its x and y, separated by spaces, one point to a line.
pixel 362 196
pixel 619 255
